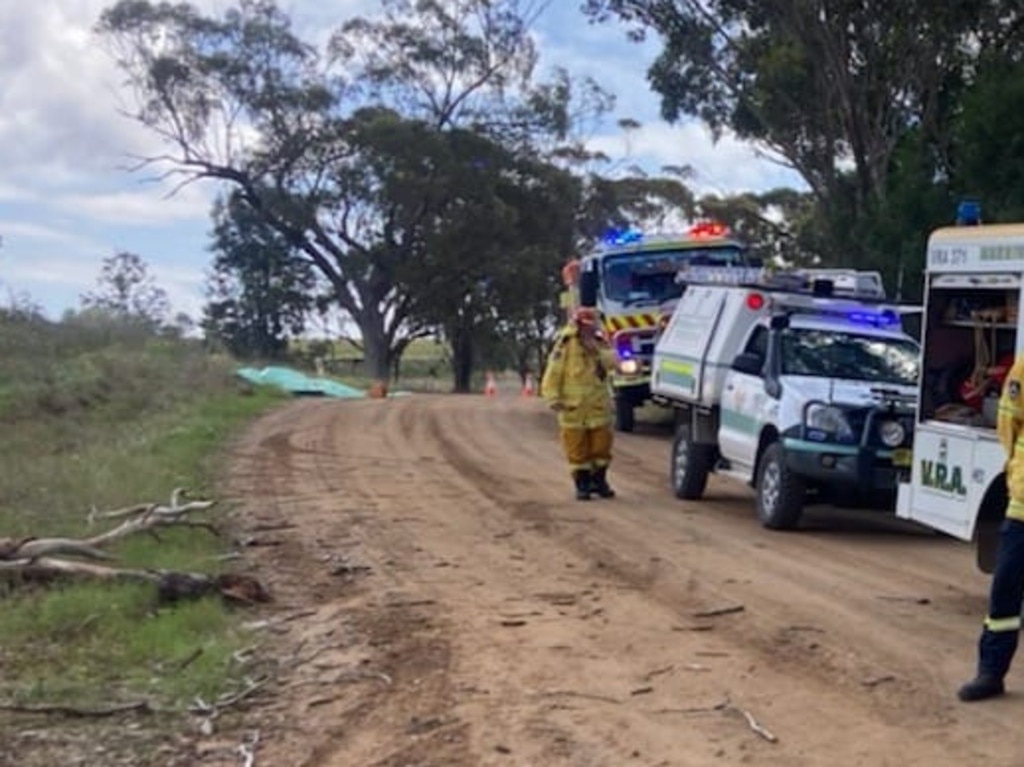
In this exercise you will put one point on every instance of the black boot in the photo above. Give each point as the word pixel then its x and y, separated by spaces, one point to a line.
pixel 980 688
pixel 582 479
pixel 599 483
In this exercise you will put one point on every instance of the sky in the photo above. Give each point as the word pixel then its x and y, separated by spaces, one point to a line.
pixel 69 196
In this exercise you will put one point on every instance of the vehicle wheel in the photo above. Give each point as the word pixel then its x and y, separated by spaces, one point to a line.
pixel 690 466
pixel 624 415
pixel 780 493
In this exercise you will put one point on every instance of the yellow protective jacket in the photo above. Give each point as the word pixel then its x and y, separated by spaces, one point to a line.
pixel 576 379
pixel 1009 426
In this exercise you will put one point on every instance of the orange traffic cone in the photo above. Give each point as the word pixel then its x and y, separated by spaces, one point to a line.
pixel 490 388
pixel 528 390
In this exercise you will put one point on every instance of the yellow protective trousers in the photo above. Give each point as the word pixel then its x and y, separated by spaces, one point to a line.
pixel 586 448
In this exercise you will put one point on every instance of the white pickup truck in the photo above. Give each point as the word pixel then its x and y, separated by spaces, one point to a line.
pixel 801 385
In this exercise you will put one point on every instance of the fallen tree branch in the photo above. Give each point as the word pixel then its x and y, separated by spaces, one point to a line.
pixel 202 708
pixel 247 748
pixel 719 611
pixel 172 586
pixel 878 680
pixel 584 695
pixel 726 705
pixel 141 517
pixel 152 517
pixel 42 557
pixel 52 566
pixel 142 707
pixel 127 511
pixel 30 548
pixel 752 723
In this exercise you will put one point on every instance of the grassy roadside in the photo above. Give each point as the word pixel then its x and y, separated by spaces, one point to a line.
pixel 110 422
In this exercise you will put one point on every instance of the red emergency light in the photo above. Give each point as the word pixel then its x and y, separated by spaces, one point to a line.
pixel 708 229
pixel 755 301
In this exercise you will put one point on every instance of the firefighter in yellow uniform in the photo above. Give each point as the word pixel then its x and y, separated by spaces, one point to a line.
pixel 575 385
pixel 998 641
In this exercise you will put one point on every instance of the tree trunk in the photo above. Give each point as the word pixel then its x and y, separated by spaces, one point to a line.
pixel 377 352
pixel 462 359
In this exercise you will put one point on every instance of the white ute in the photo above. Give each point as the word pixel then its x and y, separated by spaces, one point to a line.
pixel 800 384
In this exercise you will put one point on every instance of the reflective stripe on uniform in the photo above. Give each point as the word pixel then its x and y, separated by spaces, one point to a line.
pixel 1003 624
pixel 1015 509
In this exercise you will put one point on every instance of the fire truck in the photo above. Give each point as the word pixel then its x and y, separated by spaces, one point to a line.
pixel 629 277
pixel 974 278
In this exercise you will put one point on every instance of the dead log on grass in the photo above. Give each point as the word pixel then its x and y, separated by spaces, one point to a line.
pixel 45 558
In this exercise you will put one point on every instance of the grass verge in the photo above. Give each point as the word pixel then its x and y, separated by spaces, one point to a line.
pixel 112 427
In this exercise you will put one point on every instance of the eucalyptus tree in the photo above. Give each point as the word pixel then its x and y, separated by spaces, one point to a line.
pixel 331 148
pixel 830 86
pixel 259 292
pixel 127 291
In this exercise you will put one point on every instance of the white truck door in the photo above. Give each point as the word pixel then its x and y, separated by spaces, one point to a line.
pixel 945 489
pixel 743 403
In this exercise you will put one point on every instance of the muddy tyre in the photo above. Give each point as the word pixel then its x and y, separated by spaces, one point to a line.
pixel 780 493
pixel 690 465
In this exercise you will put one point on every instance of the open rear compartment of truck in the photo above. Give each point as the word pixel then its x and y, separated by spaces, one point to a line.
pixel 969 339
pixel 970 336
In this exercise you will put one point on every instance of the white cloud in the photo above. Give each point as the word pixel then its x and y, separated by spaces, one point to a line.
pixel 67 200
pixel 75 275
pixel 143 206
pixel 601 52
pixel 720 168
pixel 14 231
pixel 59 109
pixel 52 268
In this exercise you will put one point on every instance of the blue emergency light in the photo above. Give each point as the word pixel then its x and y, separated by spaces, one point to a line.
pixel 623 346
pixel 615 236
pixel 968 212
pixel 886 318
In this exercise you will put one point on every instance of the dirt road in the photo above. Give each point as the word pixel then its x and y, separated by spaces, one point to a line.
pixel 442 600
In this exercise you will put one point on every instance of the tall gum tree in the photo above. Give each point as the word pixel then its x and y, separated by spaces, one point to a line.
pixel 312 142
pixel 831 86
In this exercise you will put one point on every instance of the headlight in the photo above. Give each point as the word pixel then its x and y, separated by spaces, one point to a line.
pixel 629 367
pixel 828 419
pixel 892 433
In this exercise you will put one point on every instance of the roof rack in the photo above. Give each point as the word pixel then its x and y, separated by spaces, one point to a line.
pixel 847 283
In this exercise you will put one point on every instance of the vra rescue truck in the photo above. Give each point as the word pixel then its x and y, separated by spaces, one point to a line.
pixel 971 333
pixel 633 276
pixel 800 384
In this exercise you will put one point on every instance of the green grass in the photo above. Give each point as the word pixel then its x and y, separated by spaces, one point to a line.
pixel 108 425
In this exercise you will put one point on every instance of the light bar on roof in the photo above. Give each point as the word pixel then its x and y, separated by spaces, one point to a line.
pixel 616 236
pixel 708 229
pixel 846 309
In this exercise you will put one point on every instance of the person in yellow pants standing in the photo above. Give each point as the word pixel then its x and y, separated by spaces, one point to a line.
pixel 575 385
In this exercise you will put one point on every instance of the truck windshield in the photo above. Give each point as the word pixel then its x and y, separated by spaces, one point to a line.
pixel 831 354
pixel 650 276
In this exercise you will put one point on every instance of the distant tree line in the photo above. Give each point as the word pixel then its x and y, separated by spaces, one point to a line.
pixel 419 176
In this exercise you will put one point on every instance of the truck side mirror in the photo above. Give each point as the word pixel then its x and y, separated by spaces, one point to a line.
pixel 748 363
pixel 588 285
